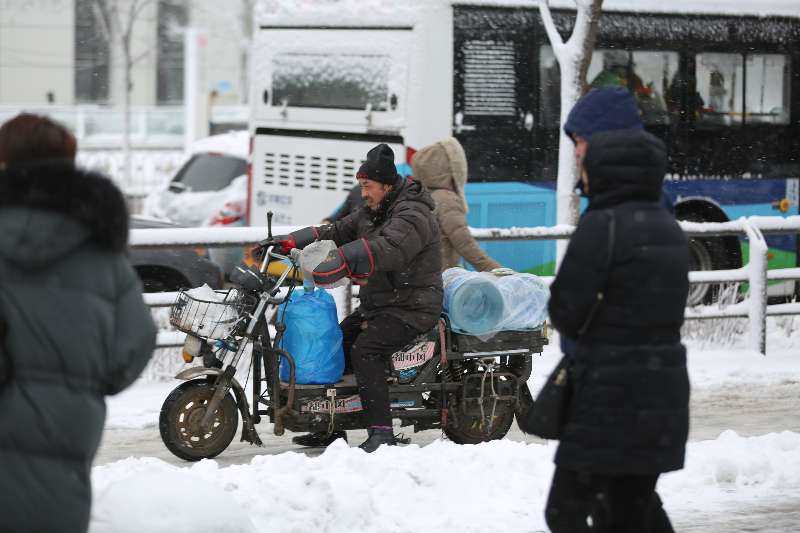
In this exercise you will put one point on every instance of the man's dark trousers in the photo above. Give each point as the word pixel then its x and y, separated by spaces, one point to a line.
pixel 368 344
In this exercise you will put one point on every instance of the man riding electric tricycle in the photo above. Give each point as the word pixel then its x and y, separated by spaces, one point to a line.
pixel 390 247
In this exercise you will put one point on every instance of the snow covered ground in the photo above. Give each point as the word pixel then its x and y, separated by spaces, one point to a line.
pixel 435 485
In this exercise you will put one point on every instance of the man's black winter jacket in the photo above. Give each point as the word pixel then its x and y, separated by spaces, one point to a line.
pixel 404 244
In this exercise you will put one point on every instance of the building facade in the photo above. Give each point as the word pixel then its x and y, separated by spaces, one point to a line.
pixel 66 52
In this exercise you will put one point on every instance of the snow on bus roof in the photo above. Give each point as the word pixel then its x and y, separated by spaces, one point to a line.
pixel 392 12
pixel 711 7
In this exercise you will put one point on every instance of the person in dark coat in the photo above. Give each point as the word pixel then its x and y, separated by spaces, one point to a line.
pixel 75 326
pixel 352 202
pixel 391 246
pixel 620 293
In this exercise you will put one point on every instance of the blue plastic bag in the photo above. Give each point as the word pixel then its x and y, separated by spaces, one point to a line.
pixel 313 338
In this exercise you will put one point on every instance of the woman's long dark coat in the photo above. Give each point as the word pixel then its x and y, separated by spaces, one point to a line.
pixel 630 411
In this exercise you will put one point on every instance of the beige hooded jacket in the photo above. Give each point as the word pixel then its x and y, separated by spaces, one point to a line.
pixel 442 169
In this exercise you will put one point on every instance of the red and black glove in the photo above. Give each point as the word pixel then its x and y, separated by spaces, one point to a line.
pixel 353 260
pixel 286 243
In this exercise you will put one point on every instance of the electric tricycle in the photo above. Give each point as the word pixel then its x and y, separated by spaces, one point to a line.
pixel 467 387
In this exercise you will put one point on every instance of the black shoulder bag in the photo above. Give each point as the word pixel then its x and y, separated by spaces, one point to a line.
pixel 547 416
pixel 5 360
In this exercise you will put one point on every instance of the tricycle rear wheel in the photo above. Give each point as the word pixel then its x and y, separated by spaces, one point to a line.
pixel 179 422
pixel 467 429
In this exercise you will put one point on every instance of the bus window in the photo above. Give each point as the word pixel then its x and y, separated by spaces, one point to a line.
pixel 332 81
pixel 646 74
pixel 720 85
pixel 549 88
pixel 490 78
pixel 767 94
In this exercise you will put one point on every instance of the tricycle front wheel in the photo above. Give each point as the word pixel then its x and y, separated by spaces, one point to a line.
pixel 179 422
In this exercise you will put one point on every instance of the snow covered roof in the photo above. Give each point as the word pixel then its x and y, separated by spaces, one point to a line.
pixel 392 12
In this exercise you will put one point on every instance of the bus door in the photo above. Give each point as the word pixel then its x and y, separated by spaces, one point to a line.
pixel 493 97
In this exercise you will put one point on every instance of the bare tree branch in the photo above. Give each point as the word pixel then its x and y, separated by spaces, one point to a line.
pixel 552 33
pixel 585 33
pixel 136 10
pixel 103 14
pixel 135 60
pixel 117 21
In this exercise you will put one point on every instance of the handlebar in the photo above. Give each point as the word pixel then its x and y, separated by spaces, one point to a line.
pixel 269 256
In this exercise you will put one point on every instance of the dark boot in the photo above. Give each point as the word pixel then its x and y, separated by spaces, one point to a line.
pixel 319 439
pixel 377 437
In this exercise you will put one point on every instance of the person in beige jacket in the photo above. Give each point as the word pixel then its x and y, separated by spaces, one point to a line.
pixel 442 169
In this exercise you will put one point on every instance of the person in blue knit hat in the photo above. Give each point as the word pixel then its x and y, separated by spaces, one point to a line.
pixel 607 109
pixel 618 301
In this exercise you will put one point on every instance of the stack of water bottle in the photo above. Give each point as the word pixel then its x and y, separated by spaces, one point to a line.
pixel 483 304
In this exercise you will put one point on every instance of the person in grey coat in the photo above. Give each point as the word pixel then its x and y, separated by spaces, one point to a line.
pixel 74 325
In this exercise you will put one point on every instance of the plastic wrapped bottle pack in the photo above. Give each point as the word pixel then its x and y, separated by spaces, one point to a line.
pixel 482 304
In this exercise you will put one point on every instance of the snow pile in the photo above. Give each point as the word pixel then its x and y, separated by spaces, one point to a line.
pixel 733 469
pixel 142 495
pixel 497 486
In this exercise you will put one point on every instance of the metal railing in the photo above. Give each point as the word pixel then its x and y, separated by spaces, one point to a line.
pixel 755 272
pixel 100 126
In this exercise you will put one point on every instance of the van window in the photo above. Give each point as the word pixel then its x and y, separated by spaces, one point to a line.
pixel 210 172
pixel 332 81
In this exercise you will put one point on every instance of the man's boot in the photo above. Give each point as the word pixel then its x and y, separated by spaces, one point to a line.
pixel 319 439
pixel 377 437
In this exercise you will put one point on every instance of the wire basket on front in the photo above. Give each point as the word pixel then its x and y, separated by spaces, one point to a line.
pixel 209 314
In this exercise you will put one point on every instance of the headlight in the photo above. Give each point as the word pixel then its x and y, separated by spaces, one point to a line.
pixel 191 348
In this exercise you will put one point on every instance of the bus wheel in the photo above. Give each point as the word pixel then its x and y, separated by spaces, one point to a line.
pixel 705 254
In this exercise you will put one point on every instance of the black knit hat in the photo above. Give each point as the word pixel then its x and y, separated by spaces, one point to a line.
pixel 379 166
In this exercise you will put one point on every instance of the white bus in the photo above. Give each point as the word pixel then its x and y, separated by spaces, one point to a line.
pixel 718 83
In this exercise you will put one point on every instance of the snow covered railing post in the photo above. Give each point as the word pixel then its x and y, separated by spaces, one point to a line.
pixel 757 295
